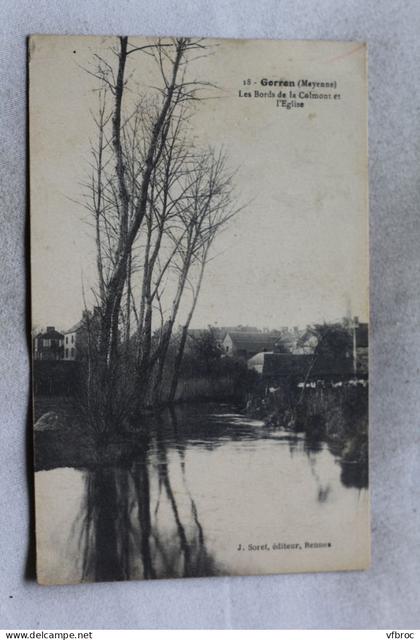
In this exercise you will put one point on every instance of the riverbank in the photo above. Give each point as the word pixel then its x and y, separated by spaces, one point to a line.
pixel 336 414
pixel 63 437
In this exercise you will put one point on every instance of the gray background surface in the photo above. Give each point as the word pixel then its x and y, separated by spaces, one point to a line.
pixel 388 595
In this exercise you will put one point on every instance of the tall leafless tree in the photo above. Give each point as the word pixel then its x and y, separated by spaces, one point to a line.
pixel 157 204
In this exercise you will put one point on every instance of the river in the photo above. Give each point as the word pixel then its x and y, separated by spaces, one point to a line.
pixel 208 491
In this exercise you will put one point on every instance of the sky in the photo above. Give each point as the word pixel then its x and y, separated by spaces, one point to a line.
pixel 297 252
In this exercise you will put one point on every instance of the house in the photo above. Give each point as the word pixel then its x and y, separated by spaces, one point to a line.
pixel 219 333
pixel 72 338
pixel 76 338
pixel 48 345
pixel 245 344
pixel 305 343
pixel 302 357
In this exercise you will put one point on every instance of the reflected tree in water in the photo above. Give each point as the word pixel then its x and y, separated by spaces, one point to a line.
pixel 190 536
pixel 123 534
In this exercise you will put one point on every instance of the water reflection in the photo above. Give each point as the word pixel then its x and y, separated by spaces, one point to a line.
pixel 175 502
pixel 120 536
pixel 354 474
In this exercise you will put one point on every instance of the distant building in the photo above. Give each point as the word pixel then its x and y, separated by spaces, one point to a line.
pixel 219 333
pixel 76 338
pixel 305 343
pixel 279 365
pixel 304 361
pixel 245 344
pixel 72 338
pixel 275 366
pixel 48 345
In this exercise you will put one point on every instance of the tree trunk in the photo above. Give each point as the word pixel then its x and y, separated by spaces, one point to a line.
pixel 184 335
pixel 112 302
pixel 166 339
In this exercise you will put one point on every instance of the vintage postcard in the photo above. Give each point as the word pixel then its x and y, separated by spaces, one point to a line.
pixel 199 257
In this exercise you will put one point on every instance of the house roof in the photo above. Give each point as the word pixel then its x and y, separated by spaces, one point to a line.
pixel 76 326
pixel 253 341
pixel 220 332
pixel 50 334
pixel 87 317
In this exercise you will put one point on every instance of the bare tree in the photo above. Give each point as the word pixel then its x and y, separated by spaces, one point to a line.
pixel 166 200
pixel 157 205
pixel 209 208
pixel 129 199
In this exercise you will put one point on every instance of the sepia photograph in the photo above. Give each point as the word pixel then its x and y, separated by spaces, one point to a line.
pixel 200 316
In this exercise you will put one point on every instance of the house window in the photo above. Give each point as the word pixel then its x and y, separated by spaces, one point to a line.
pixel 72 338
pixel 72 352
pixel 67 353
pixel 46 343
pixel 67 339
